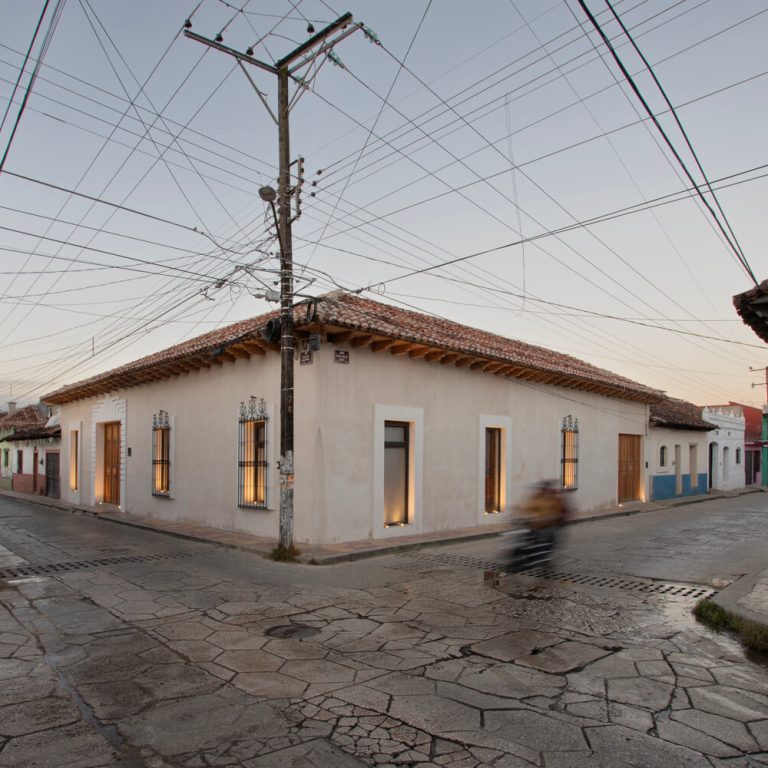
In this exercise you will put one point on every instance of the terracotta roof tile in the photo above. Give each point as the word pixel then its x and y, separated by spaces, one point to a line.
pixel 678 414
pixel 752 307
pixel 35 433
pixel 350 312
pixel 374 317
pixel 26 417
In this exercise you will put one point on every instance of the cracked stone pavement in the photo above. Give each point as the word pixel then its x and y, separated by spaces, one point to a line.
pixel 400 661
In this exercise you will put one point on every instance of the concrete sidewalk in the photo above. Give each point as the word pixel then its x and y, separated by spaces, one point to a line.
pixel 747 597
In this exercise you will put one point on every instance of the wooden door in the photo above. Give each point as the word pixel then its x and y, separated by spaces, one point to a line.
pixel 630 472
pixel 112 462
pixel 52 480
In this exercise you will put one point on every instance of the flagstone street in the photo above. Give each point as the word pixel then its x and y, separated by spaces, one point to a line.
pixel 125 647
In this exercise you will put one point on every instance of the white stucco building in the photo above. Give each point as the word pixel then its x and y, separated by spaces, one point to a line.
pixel 726 446
pixel 403 424
pixel 678 449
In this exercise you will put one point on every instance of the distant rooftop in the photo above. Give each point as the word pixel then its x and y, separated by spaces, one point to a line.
pixel 678 414
pixel 24 418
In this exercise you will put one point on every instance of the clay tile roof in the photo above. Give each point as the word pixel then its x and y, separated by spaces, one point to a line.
pixel 752 306
pixel 27 417
pixel 339 312
pixel 382 319
pixel 678 414
pixel 36 433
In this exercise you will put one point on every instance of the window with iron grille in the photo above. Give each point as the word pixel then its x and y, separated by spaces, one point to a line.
pixel 569 462
pixel 161 454
pixel 252 454
pixel 20 462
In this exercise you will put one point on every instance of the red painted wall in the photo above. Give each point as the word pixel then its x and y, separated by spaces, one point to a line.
pixel 24 483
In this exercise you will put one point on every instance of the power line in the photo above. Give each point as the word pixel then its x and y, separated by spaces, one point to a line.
pixel 671 198
pixel 684 133
pixel 731 242
pixel 23 67
pixel 44 49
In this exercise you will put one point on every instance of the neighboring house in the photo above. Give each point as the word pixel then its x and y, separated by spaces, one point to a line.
pixel 26 446
pixel 752 307
pixel 404 423
pixel 726 446
pixel 753 443
pixel 678 437
pixel 37 460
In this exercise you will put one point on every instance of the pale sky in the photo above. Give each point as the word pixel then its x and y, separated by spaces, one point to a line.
pixel 472 127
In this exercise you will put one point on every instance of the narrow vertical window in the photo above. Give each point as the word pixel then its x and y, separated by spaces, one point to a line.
pixel 74 447
pixel 570 454
pixel 738 455
pixel 252 454
pixel 663 456
pixel 20 462
pixel 6 453
pixel 161 454
pixel 396 473
pixel 492 469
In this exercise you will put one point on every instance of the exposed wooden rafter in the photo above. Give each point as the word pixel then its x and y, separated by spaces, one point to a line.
pixel 361 341
pixel 239 350
pixel 340 337
pixel 382 344
pixel 254 348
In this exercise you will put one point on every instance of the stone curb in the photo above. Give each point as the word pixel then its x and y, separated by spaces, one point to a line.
pixel 648 507
pixel 332 559
pixel 728 598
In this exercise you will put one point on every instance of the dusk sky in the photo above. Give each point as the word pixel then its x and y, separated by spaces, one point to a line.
pixel 500 133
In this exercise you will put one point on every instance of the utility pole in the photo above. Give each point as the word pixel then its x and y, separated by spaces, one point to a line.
pixel 302 58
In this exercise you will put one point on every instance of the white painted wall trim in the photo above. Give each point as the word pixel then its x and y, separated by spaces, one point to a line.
pixel 109 409
pixel 415 418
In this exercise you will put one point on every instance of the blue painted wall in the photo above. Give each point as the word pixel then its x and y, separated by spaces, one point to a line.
pixel 663 486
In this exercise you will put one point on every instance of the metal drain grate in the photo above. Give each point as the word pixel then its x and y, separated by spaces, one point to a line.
pixel 51 569
pixel 292 631
pixel 642 586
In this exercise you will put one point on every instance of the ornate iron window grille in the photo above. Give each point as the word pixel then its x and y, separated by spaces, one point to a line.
pixel 161 454
pixel 569 462
pixel 252 454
